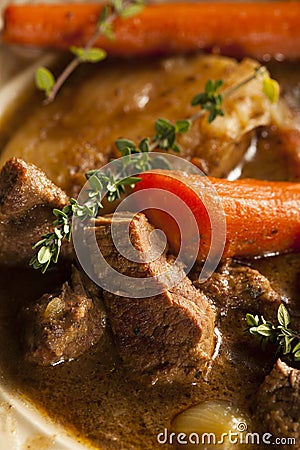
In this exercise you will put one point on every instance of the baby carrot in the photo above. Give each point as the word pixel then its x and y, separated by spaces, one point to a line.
pixel 262 217
pixel 258 29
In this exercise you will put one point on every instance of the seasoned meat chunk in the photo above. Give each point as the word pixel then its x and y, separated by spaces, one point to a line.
pixel 236 290
pixel 27 198
pixel 169 336
pixel 278 402
pixel 60 327
pixel 237 286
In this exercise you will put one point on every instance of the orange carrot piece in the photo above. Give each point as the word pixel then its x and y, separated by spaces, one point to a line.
pixel 262 217
pixel 258 29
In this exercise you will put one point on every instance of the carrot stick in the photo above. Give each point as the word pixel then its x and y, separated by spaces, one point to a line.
pixel 262 217
pixel 257 29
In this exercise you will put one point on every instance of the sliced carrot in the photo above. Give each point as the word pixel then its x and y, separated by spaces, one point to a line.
pixel 257 29
pixel 262 217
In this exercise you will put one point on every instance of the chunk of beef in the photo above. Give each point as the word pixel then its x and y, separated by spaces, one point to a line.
pixel 169 336
pixel 278 402
pixel 27 198
pixel 236 290
pixel 238 286
pixel 64 326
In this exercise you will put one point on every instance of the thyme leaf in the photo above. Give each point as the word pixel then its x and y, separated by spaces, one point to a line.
pixel 44 80
pixel 132 10
pixel 287 340
pixel 91 55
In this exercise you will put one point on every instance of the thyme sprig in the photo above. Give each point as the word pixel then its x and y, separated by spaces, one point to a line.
pixel 280 334
pixel 45 79
pixel 210 100
pixel 114 185
pixel 100 184
pixel 50 244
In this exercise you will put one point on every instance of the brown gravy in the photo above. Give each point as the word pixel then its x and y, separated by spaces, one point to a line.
pixel 95 397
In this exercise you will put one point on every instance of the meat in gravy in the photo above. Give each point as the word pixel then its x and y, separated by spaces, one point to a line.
pixel 169 336
pixel 27 199
pixel 111 352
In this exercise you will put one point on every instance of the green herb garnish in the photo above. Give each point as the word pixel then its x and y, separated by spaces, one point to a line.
pixel 50 244
pixel 280 334
pixel 91 55
pixel 99 184
pixel 45 79
pixel 210 100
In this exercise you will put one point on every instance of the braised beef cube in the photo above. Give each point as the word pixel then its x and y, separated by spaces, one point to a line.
pixel 169 336
pixel 27 199
pixel 239 286
pixel 278 403
pixel 62 327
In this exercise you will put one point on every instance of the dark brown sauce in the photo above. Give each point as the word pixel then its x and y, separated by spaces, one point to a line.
pixel 95 396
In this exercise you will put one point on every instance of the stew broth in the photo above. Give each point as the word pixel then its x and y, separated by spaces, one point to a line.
pixel 95 396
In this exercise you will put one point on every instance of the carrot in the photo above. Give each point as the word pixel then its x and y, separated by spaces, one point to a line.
pixel 257 29
pixel 262 217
